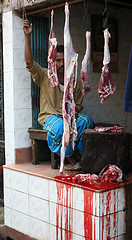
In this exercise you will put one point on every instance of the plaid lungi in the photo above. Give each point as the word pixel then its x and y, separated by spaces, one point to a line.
pixel 54 127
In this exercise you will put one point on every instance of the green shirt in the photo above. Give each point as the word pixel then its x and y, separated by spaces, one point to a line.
pixel 51 98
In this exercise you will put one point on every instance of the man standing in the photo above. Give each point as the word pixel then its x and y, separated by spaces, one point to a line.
pixel 50 116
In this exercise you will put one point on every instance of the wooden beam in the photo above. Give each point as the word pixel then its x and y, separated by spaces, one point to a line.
pixel 44 10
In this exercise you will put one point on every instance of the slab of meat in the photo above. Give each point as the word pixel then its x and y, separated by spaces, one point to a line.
pixel 113 129
pixel 85 178
pixel 111 173
pixel 70 77
pixel 106 83
pixel 85 70
pixel 52 72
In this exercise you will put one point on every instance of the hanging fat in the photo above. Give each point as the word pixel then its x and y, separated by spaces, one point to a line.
pixel 85 69
pixel 70 77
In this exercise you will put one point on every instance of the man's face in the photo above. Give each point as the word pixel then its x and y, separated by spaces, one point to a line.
pixel 60 63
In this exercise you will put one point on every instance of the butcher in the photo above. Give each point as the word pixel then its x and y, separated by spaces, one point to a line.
pixel 50 116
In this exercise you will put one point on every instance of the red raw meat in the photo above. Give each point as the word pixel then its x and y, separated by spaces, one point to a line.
pixel 106 83
pixel 70 77
pixel 85 178
pixel 113 129
pixel 111 173
pixel 52 72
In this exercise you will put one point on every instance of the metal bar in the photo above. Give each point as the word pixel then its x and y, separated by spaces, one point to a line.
pixel 120 3
pixel 42 10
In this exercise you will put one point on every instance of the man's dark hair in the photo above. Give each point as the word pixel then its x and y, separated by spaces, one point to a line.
pixel 60 48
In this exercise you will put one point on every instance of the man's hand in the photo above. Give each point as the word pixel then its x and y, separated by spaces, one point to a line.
pixel 27 28
pixel 77 110
pixel 27 49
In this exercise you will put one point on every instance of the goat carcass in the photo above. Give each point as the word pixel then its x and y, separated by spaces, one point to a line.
pixel 70 76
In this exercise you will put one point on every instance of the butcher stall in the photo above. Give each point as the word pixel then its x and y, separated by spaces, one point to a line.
pixel 47 203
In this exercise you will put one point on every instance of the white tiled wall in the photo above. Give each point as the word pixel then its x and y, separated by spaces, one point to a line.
pixel 31 208
pixel 17 87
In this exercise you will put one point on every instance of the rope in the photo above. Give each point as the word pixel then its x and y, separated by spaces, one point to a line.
pixel 106 4
pixel 105 13
pixel 85 18
pixel 24 13
pixel 105 9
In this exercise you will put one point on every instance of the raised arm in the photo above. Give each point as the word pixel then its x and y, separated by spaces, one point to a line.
pixel 27 49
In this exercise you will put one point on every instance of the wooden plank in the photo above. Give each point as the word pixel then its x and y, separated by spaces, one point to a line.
pixel 56 6
pixel 33 130
pixel 38 136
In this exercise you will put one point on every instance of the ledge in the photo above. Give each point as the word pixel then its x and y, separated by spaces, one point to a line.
pixel 44 170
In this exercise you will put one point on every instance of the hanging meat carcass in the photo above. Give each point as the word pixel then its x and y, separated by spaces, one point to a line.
pixel 85 70
pixel 52 52
pixel 106 83
pixel 70 77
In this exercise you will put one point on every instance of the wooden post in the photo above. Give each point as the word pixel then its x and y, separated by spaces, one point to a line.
pixel 35 156
pixel 54 161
